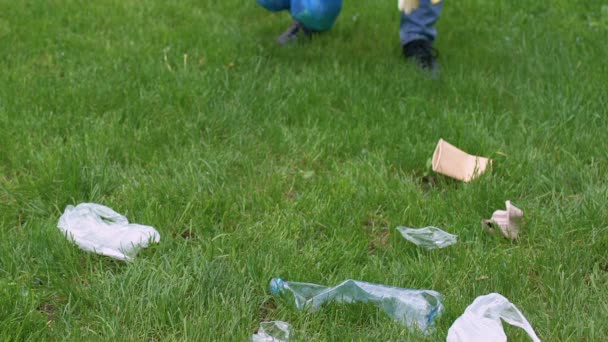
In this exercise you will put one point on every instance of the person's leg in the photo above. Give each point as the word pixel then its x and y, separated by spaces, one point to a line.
pixel 420 24
pixel 417 34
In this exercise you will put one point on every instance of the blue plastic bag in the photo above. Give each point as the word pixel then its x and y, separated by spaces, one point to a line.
pixel 275 5
pixel 316 15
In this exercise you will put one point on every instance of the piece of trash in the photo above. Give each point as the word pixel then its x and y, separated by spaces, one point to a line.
pixel 99 229
pixel 453 162
pixel 275 331
pixel 480 321
pixel 508 220
pixel 408 6
pixel 413 308
pixel 428 237
pixel 483 277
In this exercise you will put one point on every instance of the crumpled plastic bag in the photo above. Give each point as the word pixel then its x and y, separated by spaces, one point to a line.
pixel 99 229
pixel 480 321
pixel 275 331
pixel 428 237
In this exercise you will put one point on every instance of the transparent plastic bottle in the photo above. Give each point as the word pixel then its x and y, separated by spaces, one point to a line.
pixel 413 308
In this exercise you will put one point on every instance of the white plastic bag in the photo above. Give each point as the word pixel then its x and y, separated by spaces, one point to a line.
pixel 428 237
pixel 275 331
pixel 99 229
pixel 480 322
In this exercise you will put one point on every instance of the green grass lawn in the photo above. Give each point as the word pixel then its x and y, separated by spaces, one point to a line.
pixel 257 161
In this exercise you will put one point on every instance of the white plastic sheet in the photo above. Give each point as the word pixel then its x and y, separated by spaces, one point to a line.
pixel 428 237
pixel 275 331
pixel 99 229
pixel 480 322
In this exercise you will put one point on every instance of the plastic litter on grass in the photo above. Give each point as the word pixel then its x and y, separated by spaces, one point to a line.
pixel 480 321
pixel 99 229
pixel 416 309
pixel 275 331
pixel 428 237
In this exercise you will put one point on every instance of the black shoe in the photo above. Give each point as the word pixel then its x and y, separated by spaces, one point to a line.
pixel 421 51
pixel 292 33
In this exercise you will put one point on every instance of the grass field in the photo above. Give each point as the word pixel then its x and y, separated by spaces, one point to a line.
pixel 256 161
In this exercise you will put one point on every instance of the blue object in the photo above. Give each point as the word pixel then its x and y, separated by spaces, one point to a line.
pixel 275 5
pixel 276 286
pixel 420 24
pixel 320 15
pixel 316 15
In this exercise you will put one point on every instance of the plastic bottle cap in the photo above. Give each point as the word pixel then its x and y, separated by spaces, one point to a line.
pixel 276 286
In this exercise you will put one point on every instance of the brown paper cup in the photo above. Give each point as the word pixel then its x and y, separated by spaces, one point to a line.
pixel 453 162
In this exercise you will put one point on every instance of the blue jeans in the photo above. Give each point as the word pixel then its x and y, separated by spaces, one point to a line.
pixel 420 24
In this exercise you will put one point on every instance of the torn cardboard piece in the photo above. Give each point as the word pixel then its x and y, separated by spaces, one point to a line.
pixel 509 221
pixel 453 162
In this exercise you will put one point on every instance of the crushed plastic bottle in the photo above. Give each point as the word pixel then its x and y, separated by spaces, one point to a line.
pixel 413 308
pixel 275 331
pixel 428 237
